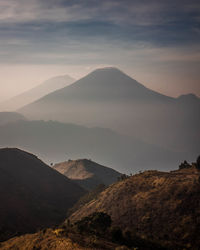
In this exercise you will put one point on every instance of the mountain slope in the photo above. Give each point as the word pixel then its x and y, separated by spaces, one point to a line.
pixel 158 205
pixel 87 173
pixel 37 92
pixel 111 99
pixel 49 240
pixel 32 194
pixel 54 142
pixel 7 117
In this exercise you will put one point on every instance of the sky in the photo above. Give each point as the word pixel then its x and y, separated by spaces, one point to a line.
pixel 157 42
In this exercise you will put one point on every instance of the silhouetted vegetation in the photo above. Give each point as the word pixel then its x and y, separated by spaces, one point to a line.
pixel 99 224
pixel 184 164
pixel 96 223
pixel 116 234
pixel 123 177
pixel 198 162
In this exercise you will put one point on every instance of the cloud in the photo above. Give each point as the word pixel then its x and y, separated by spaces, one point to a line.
pixel 22 11
pixel 155 21
pixel 131 34
pixel 131 12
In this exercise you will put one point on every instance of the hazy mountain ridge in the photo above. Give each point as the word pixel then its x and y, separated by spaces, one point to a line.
pixel 87 173
pixel 33 195
pixel 188 97
pixel 111 99
pixel 104 84
pixel 7 117
pixel 37 92
pixel 158 205
pixel 54 141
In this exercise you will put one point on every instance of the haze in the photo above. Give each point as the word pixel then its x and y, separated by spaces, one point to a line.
pixel 156 43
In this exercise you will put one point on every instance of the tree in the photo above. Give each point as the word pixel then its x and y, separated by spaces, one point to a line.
pixel 184 164
pixel 198 162
pixel 116 234
pixel 96 223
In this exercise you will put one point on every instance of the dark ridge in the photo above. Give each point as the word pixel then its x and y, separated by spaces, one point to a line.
pixel 32 194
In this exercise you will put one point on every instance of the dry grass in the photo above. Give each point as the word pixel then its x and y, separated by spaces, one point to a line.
pixel 161 206
pixel 54 240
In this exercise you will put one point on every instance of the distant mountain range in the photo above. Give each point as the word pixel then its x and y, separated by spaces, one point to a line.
pixel 109 98
pixel 7 117
pixel 87 173
pixel 36 93
pixel 55 142
pixel 161 206
pixel 32 195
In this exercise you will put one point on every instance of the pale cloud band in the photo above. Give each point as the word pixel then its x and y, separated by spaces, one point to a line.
pixel 145 38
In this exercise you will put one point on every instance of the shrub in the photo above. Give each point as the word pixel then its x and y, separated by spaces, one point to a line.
pixel 116 234
pixel 96 223
pixel 198 162
pixel 184 164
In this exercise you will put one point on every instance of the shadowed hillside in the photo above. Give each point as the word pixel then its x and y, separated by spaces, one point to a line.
pixel 87 173
pixel 161 206
pixel 32 194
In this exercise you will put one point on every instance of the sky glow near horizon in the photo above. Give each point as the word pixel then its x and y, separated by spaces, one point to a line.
pixel 155 42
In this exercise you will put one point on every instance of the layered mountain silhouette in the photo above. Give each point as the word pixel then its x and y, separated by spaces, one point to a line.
pixel 87 173
pixel 37 92
pixel 7 117
pixel 161 206
pixel 32 194
pixel 54 142
pixel 109 98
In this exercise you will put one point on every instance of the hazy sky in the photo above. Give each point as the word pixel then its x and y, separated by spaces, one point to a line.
pixel 157 42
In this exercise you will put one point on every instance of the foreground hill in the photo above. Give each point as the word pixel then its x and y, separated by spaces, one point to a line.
pixel 109 98
pixel 95 234
pixel 49 240
pixel 7 117
pixel 37 92
pixel 32 194
pixel 54 142
pixel 87 173
pixel 161 206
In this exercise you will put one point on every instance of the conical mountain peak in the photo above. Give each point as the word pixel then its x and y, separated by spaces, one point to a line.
pixel 107 70
pixel 110 75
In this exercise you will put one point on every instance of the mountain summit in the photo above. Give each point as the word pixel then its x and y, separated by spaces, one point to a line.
pixel 87 173
pixel 189 98
pixel 106 84
pixel 111 99
pixel 37 92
